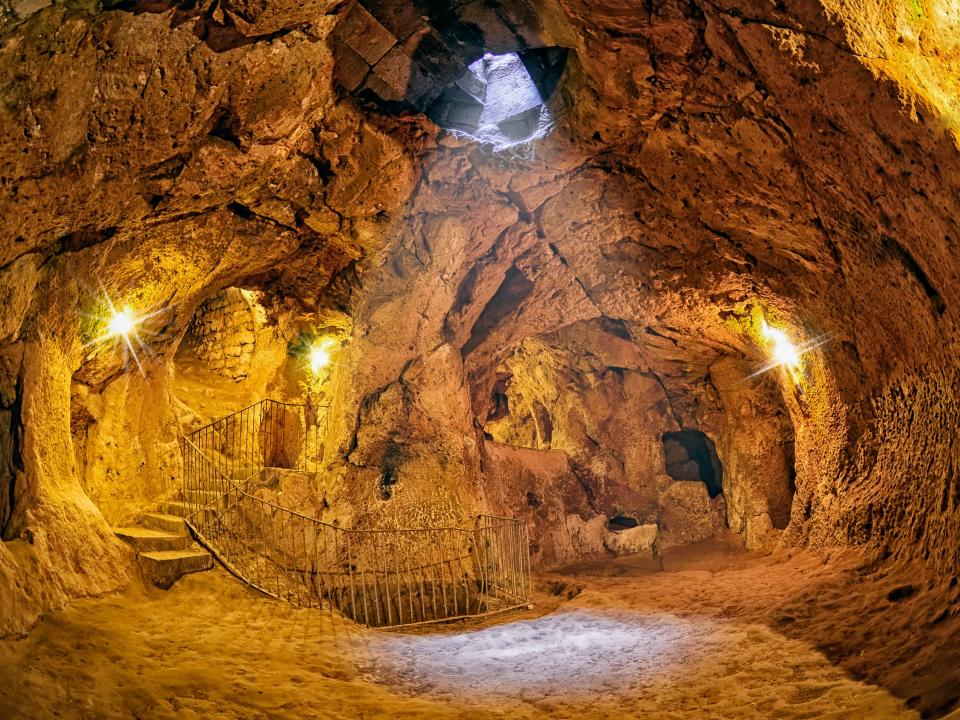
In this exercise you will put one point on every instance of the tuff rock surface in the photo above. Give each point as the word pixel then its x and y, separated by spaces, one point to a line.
pixel 516 331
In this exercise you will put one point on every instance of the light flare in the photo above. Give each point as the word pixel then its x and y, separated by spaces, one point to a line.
pixel 121 323
pixel 123 326
pixel 320 356
pixel 784 353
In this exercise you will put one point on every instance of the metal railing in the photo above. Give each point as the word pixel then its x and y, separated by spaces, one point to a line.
pixel 376 577
pixel 266 434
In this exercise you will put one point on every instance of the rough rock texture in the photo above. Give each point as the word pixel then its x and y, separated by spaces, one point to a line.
pixel 634 541
pixel 596 400
pixel 687 514
pixel 541 488
pixel 125 441
pixel 111 183
pixel 719 166
pixel 225 332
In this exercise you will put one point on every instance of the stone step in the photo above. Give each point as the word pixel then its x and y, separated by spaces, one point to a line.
pixel 203 498
pixel 182 510
pixel 146 539
pixel 173 524
pixel 177 508
pixel 164 567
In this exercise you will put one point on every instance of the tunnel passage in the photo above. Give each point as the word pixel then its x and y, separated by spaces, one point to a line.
pixel 240 347
pixel 691 455
pixel 594 413
pixel 706 166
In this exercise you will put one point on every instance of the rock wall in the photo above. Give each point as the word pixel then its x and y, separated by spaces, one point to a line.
pixel 596 400
pixel 56 545
pixel 154 165
pixel 125 439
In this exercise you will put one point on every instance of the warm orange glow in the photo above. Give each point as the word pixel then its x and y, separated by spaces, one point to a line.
pixel 121 323
pixel 320 356
pixel 783 351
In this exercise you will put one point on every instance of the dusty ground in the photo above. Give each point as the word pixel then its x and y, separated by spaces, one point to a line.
pixel 693 641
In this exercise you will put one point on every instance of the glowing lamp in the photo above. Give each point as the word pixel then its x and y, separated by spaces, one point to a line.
pixel 320 356
pixel 319 359
pixel 121 323
pixel 783 351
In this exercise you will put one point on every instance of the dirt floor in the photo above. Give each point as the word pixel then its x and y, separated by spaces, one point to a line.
pixel 716 633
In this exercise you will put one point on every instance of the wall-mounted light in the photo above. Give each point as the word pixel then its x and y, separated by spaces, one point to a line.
pixel 122 327
pixel 119 326
pixel 121 323
pixel 320 356
pixel 782 351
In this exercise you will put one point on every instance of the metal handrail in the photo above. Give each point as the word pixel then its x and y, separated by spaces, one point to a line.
pixel 376 577
pixel 186 439
pixel 250 407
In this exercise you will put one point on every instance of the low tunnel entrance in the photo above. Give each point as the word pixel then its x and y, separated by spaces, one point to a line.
pixel 691 455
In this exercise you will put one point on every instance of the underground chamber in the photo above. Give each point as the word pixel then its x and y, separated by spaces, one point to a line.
pixel 538 358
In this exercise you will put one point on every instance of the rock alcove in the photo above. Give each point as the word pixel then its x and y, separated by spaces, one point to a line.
pixel 670 285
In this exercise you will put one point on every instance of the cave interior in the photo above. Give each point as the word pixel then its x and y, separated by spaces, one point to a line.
pixel 538 357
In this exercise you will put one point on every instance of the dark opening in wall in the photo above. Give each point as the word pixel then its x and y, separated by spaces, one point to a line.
pixel 691 455
pixel 621 522
pixel 781 503
pixel 392 459
pixel 500 406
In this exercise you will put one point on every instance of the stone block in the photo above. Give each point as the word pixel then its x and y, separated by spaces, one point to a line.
pixel 633 541
pixel 473 85
pixel 464 116
pixel 443 66
pixel 364 34
pixel 349 69
pixel 400 17
pixel 464 38
pixel 497 36
pixel 687 515
pixel 521 125
pixel 397 78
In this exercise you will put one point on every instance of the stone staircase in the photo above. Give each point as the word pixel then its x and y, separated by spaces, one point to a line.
pixel 164 546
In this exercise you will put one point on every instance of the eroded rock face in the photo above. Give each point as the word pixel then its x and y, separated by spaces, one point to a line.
pixel 634 541
pixel 604 409
pixel 687 514
pixel 125 439
pixel 116 127
pixel 716 167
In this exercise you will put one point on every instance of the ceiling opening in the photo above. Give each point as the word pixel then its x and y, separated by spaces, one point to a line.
pixel 503 100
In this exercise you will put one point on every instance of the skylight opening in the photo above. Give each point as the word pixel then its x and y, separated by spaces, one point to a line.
pixel 503 100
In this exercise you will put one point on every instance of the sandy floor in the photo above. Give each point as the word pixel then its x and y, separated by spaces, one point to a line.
pixel 688 642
